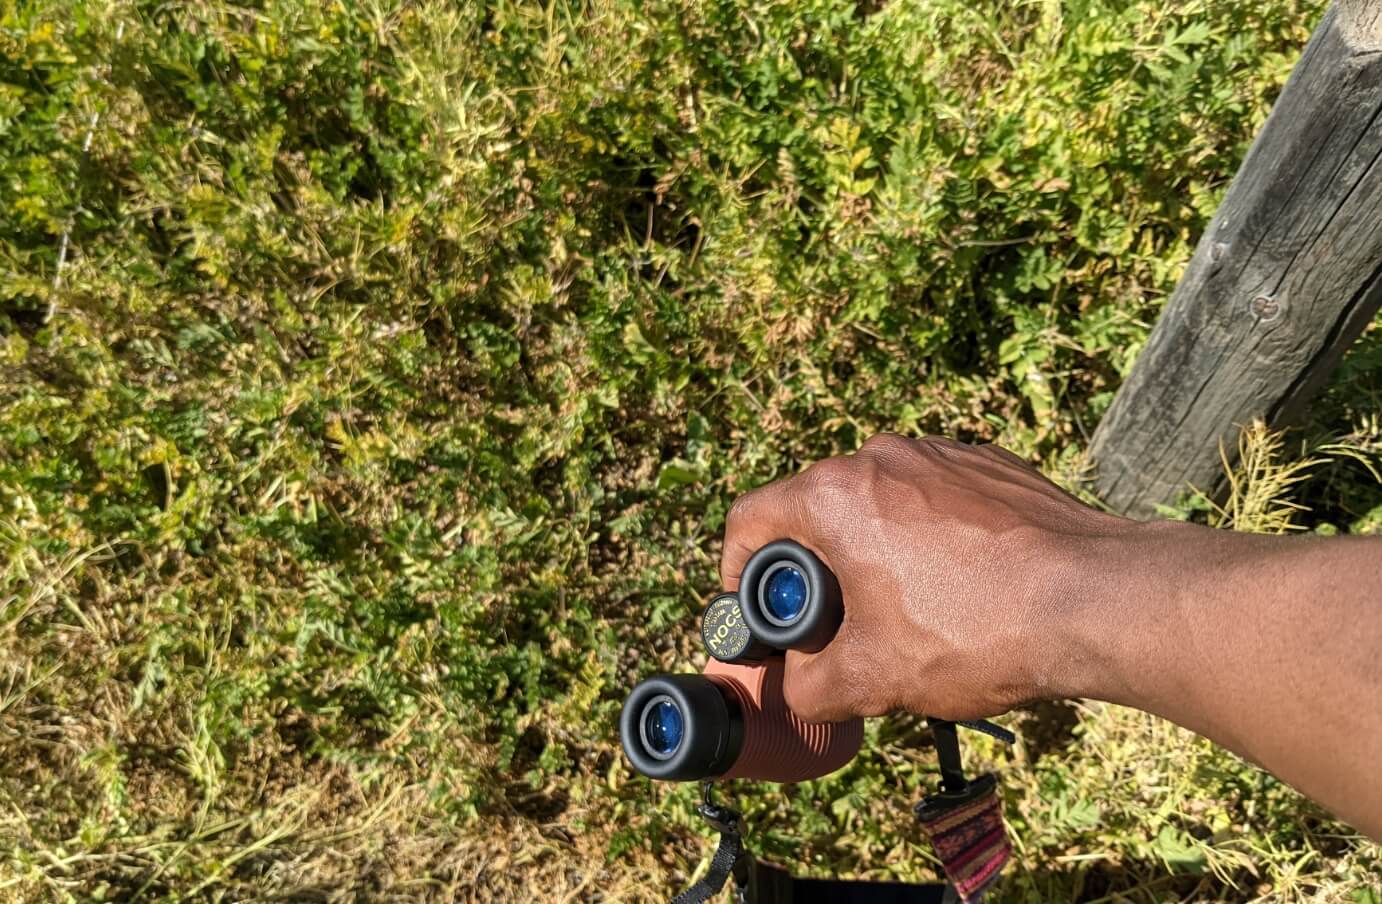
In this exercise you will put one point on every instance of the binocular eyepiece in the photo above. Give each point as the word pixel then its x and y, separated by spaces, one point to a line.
pixel 682 727
pixel 789 599
pixel 732 721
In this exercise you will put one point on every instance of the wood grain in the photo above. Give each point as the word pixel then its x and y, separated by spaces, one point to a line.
pixel 1285 278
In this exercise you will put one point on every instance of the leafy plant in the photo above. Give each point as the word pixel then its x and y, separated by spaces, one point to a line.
pixel 377 430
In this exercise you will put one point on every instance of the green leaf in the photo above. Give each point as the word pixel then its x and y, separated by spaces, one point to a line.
pixel 1179 850
pixel 678 473
pixel 639 348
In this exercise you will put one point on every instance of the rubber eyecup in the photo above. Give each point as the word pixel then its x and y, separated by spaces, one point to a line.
pixel 711 728
pixel 818 617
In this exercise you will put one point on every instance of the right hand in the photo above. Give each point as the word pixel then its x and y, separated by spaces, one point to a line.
pixel 960 568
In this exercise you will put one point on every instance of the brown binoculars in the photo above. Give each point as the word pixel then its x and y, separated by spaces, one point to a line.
pixel 732 721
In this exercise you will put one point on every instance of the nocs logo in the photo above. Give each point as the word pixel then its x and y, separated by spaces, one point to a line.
pixel 723 629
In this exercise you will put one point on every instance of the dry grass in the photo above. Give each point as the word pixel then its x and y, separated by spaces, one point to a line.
pixel 1258 497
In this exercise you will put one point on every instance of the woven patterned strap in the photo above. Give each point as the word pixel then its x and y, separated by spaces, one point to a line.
pixel 968 835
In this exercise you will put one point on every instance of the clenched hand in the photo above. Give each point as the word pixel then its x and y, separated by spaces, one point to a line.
pixel 973 584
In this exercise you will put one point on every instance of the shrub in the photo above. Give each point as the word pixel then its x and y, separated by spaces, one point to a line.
pixel 377 431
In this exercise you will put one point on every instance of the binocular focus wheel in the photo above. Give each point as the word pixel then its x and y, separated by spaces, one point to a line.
pixel 790 600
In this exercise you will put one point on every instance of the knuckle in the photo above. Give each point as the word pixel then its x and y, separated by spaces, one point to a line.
pixel 890 455
pixel 996 451
pixel 941 445
pixel 888 458
pixel 830 478
pixel 885 445
pixel 739 510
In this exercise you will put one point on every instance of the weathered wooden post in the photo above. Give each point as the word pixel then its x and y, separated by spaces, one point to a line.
pixel 1286 277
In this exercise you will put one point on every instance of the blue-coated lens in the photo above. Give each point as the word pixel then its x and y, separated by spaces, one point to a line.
pixel 786 593
pixel 662 726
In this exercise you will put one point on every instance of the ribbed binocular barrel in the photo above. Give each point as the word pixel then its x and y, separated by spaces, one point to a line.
pixel 732 721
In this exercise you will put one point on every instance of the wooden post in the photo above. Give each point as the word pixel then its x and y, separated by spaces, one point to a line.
pixel 1285 278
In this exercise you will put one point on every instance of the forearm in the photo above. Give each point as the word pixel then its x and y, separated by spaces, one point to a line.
pixel 1271 646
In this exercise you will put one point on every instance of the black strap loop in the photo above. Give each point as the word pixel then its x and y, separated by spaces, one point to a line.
pixel 730 857
pixel 759 883
pixel 721 866
pixel 727 854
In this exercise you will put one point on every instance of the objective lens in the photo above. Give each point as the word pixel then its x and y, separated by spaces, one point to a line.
pixel 786 593
pixel 662 727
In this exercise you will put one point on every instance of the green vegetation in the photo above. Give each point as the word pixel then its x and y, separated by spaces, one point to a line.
pixel 378 431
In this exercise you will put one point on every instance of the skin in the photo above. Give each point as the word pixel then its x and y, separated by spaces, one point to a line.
pixel 973 585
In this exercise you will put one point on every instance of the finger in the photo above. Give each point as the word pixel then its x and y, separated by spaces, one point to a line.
pixel 812 689
pixel 833 685
pixel 757 518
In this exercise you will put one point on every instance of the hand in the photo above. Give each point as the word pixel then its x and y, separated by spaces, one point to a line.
pixel 961 567
pixel 972 584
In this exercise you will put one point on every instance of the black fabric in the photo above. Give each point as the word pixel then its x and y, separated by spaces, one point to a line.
pixel 831 891
pixel 760 883
pixel 726 855
pixel 771 885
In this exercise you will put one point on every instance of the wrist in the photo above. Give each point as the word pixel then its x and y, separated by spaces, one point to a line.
pixel 1122 609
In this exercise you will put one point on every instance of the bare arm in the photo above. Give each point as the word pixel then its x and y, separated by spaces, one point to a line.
pixel 972 585
pixel 1271 646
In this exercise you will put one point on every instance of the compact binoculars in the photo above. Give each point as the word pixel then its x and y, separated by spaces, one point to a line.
pixel 732 721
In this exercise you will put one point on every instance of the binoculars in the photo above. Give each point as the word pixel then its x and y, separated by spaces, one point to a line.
pixel 732 721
